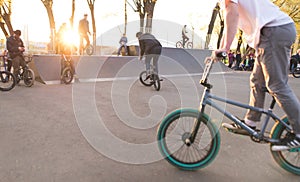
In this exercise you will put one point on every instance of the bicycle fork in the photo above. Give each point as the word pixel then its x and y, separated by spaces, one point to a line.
pixel 197 122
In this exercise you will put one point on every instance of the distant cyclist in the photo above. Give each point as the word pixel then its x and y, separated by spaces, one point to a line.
pixel 84 32
pixel 151 48
pixel 15 47
pixel 185 38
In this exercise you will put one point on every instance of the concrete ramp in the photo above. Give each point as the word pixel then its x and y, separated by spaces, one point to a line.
pixel 173 61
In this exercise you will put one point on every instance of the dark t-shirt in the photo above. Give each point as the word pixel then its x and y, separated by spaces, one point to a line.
pixel 13 45
pixel 149 44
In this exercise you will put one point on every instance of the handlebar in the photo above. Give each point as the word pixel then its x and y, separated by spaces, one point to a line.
pixel 208 65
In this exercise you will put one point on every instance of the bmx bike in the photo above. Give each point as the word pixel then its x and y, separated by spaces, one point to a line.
pixel 296 71
pixel 25 73
pixel 67 72
pixel 150 79
pixel 188 44
pixel 88 49
pixel 7 79
pixel 188 139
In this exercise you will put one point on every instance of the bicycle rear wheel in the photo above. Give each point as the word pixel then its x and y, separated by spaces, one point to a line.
pixel 156 82
pixel 145 80
pixel 28 77
pixel 7 81
pixel 296 72
pixel 179 44
pixel 176 128
pixel 67 75
pixel 288 159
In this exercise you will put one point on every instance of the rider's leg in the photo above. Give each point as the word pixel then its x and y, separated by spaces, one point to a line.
pixel 81 45
pixel 183 41
pixel 9 64
pixel 22 61
pixel 147 62
pixel 257 94
pixel 155 65
pixel 156 52
pixel 16 65
pixel 119 50
pixel 274 57
pixel 126 49
pixel 87 39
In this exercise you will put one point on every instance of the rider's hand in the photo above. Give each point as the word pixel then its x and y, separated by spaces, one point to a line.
pixel 216 54
pixel 22 49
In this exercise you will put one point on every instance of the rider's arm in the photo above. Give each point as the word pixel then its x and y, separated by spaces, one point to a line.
pixel 231 17
pixel 142 49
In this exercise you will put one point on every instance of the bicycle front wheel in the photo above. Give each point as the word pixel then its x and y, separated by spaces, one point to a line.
pixel 287 159
pixel 296 72
pixel 28 77
pixel 67 75
pixel 156 82
pixel 7 81
pixel 144 79
pixel 176 128
pixel 190 45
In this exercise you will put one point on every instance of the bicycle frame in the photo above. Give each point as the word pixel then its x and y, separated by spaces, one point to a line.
pixel 207 99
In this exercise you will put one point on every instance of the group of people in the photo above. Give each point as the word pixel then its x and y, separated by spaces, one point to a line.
pixel 237 61
pixel 84 40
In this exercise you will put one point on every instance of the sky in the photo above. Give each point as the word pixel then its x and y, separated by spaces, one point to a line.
pixel 31 16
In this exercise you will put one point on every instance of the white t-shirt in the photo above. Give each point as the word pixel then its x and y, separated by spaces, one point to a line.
pixel 255 14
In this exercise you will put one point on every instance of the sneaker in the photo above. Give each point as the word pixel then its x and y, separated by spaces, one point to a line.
pixel 287 144
pixel 235 128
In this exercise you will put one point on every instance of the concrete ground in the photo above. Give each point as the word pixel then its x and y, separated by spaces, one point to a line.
pixel 106 131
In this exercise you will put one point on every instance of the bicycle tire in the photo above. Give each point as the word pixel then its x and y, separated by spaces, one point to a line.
pixel 7 81
pixel 89 50
pixel 296 72
pixel 156 82
pixel 189 45
pixel 206 150
pixel 179 44
pixel 28 77
pixel 284 158
pixel 145 81
pixel 67 75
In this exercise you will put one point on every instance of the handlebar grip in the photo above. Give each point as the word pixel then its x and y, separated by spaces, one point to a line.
pixel 221 55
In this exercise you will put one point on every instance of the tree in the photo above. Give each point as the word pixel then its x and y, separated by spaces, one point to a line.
pixel 292 8
pixel 5 12
pixel 48 5
pixel 125 16
pixel 145 7
pixel 72 15
pixel 149 7
pixel 215 13
pixel 91 4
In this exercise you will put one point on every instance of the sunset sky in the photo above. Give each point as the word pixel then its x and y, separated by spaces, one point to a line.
pixel 109 14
